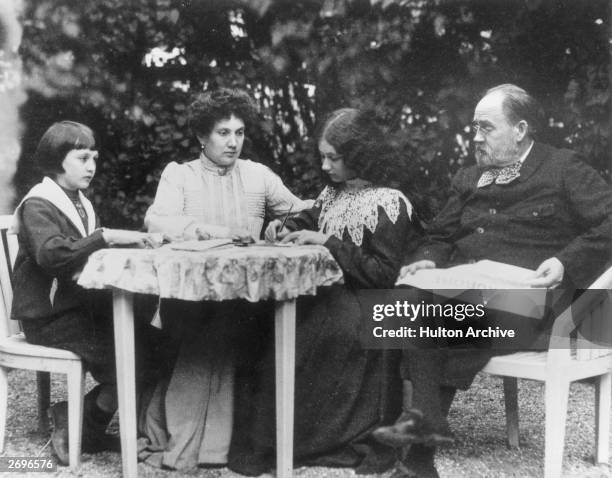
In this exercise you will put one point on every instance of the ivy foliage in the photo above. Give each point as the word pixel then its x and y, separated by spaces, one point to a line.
pixel 129 69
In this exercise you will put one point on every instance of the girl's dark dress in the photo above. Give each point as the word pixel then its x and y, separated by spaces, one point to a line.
pixel 342 391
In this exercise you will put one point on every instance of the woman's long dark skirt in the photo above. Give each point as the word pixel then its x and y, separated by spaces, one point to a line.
pixel 342 393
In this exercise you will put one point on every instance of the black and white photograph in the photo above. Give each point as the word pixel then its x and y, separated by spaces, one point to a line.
pixel 306 238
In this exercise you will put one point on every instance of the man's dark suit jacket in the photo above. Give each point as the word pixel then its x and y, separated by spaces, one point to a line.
pixel 558 207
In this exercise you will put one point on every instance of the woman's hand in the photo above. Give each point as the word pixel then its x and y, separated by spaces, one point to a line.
pixel 196 231
pixel 241 235
pixel 273 231
pixel 305 237
pixel 201 232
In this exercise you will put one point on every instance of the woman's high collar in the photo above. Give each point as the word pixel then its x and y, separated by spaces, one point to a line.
pixel 208 165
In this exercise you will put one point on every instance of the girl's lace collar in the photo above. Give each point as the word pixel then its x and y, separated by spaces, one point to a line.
pixel 354 209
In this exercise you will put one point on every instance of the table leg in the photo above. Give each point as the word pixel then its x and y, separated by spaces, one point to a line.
pixel 123 318
pixel 284 319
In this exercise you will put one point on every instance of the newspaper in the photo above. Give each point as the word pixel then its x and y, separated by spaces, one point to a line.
pixel 480 275
pixel 501 286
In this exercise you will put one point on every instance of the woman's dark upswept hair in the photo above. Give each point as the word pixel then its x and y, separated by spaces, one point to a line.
pixel 355 135
pixel 212 106
pixel 61 138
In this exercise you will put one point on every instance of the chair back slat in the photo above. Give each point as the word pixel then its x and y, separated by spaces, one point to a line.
pixel 601 330
pixel 594 332
pixel 8 253
pixel 5 321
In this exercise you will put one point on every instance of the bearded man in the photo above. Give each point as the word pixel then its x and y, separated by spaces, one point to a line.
pixel 524 203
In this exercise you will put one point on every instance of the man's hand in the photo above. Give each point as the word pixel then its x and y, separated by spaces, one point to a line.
pixel 416 266
pixel 273 232
pixel 305 237
pixel 549 274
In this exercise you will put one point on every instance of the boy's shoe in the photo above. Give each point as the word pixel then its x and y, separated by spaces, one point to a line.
pixel 94 438
pixel 58 423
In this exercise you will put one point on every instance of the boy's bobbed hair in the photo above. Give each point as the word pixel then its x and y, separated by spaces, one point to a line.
pixel 61 138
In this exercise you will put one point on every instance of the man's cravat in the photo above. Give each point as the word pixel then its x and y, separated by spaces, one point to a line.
pixel 503 175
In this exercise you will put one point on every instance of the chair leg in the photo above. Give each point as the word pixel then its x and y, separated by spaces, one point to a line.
pixel 603 390
pixel 76 391
pixel 3 404
pixel 43 380
pixel 512 415
pixel 555 403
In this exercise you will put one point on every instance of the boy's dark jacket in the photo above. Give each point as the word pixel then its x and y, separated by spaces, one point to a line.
pixel 51 251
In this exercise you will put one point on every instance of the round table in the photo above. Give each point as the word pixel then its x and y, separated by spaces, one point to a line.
pixel 220 272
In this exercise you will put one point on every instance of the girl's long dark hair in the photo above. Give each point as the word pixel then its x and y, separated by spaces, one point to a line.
pixel 357 137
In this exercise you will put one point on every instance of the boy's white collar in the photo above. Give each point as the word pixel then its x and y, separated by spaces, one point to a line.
pixel 52 192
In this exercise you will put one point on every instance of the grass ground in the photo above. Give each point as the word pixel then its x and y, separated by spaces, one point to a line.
pixel 477 417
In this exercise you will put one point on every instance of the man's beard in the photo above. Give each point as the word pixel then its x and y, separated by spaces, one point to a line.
pixel 485 158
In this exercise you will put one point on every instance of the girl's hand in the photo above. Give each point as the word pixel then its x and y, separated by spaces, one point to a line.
pixel 273 232
pixel 305 237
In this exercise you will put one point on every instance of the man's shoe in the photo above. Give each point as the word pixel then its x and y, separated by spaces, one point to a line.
pixel 403 471
pixel 403 432
pixel 377 461
pixel 410 428
pixel 58 423
pixel 418 463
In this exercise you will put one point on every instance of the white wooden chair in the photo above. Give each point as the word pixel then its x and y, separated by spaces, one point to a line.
pixel 580 347
pixel 16 353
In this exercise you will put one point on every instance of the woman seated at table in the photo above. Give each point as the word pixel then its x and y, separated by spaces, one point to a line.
pixel 342 391
pixel 218 195
pixel 57 230
pixel 189 418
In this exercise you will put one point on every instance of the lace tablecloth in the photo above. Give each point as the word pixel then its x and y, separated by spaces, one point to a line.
pixel 255 272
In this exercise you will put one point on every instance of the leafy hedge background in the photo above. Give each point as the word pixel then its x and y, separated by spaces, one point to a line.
pixel 128 68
